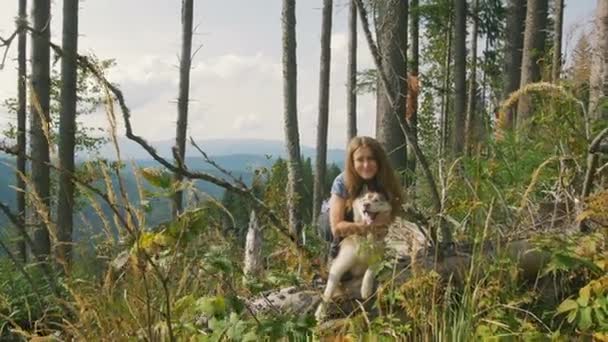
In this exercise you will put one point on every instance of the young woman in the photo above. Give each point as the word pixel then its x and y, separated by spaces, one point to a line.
pixel 366 164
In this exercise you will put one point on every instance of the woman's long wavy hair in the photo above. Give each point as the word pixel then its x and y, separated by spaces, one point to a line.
pixel 385 180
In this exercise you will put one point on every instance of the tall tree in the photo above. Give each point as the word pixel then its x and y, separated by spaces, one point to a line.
pixel 412 111
pixel 290 111
pixel 351 73
pixel 39 127
pixel 445 100
pixel 470 126
pixel 534 47
pixel 183 97
pixel 325 63
pixel 21 122
pixel 67 129
pixel 460 65
pixel 392 42
pixel 514 43
pixel 558 26
pixel 598 89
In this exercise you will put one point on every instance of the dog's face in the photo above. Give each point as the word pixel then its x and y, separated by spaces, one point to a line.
pixel 368 205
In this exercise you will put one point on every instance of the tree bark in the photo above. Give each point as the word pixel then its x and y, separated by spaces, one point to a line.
pixel 21 125
pixel 469 128
pixel 534 46
pixel 290 111
pixel 253 247
pixel 557 40
pixel 445 97
pixel 514 43
pixel 351 74
pixel 183 98
pixel 325 65
pixel 67 130
pixel 41 17
pixel 599 65
pixel 392 42
pixel 460 65
pixel 412 118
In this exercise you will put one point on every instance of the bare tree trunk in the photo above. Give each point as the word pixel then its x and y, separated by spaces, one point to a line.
pixel 392 40
pixel 415 62
pixel 290 110
pixel 41 17
pixel 21 124
pixel 460 65
pixel 182 100
pixel 325 64
pixel 67 131
pixel 534 47
pixel 599 65
pixel 351 73
pixel 253 247
pixel 514 43
pixel 445 101
pixel 557 40
pixel 469 128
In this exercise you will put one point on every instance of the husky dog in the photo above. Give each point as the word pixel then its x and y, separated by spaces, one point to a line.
pixel 357 252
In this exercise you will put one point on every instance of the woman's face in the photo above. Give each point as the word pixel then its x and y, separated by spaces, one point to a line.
pixel 366 165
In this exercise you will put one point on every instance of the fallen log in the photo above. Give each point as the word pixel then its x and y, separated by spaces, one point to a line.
pixel 454 267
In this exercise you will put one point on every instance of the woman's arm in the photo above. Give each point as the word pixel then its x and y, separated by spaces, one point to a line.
pixel 340 227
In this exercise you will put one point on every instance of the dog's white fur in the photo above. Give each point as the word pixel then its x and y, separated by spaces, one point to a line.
pixel 351 256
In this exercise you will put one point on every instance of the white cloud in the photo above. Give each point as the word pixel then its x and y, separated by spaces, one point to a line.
pixel 246 123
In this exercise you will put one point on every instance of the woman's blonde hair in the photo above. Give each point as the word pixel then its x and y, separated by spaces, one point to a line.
pixel 385 180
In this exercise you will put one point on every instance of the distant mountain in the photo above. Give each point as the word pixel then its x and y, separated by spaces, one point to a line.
pixel 218 147
pixel 240 165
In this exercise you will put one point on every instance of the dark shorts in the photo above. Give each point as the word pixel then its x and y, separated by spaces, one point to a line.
pixel 324 230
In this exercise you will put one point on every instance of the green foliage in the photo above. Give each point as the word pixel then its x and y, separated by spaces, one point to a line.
pixel 90 97
pixel 23 302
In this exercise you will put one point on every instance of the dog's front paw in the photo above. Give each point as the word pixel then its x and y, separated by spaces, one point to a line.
pixel 321 313
pixel 367 285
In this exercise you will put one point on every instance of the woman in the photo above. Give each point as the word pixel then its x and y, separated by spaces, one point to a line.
pixel 366 164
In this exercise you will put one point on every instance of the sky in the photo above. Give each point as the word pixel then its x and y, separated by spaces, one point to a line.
pixel 236 79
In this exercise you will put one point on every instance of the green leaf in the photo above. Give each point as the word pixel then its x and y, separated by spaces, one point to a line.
pixel 600 317
pixel 572 316
pixel 183 305
pixel 250 336
pixel 584 293
pixel 158 178
pixel 585 322
pixel 566 306
pixel 212 306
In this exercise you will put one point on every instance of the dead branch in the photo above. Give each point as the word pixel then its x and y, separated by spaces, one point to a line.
pixel 244 191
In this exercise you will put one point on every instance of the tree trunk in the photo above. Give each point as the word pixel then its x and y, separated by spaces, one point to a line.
pixel 599 64
pixel 392 42
pixel 325 64
pixel 514 43
pixel 557 40
pixel 445 98
pixel 351 74
pixel 67 131
pixel 253 248
pixel 412 116
pixel 471 117
pixel 290 111
pixel 41 17
pixel 460 65
pixel 21 124
pixel 183 97
pixel 534 47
